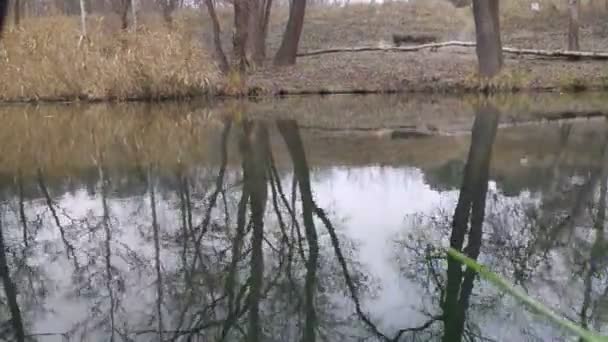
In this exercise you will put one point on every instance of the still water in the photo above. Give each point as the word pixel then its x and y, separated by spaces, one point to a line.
pixel 309 219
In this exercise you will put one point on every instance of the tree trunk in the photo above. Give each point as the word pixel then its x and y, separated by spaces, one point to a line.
pixel 573 25
pixel 3 10
pixel 167 16
pixel 134 5
pixel 265 21
pixel 258 28
pixel 217 41
pixel 83 20
pixel 168 8
pixel 17 12
pixel 291 39
pixel 124 13
pixel 255 18
pixel 487 29
pixel 240 37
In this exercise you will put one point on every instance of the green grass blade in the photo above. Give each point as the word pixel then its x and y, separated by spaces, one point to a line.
pixel 523 297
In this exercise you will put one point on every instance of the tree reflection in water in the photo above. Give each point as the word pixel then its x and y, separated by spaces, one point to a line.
pixel 532 242
pixel 240 249
pixel 211 254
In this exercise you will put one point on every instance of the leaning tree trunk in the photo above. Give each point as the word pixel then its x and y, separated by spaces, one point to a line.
pixel 217 41
pixel 573 25
pixel 487 30
pixel 291 39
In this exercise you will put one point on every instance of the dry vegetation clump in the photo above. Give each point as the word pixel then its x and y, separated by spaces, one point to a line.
pixel 45 61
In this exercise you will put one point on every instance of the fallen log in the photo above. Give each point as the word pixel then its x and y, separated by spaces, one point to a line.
pixel 509 50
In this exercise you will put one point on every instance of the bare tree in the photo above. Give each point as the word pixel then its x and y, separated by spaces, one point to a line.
pixel 258 29
pixel 291 38
pixel 168 7
pixel 3 10
pixel 249 32
pixel 83 21
pixel 573 25
pixel 240 34
pixel 134 4
pixel 122 7
pixel 217 42
pixel 17 12
pixel 487 28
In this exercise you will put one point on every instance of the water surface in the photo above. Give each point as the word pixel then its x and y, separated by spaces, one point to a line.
pixel 304 219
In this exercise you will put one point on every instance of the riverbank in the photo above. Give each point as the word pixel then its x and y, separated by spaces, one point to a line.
pixel 45 62
pixel 449 70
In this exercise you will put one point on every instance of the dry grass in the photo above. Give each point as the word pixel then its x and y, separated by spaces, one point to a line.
pixel 45 61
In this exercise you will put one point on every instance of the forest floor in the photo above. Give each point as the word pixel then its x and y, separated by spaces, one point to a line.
pixel 441 70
